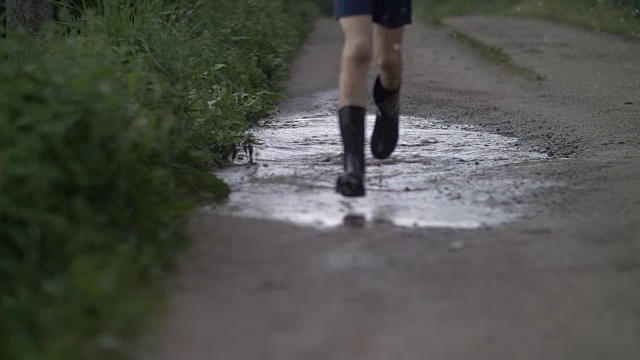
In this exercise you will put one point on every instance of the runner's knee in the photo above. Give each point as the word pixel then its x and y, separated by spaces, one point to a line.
pixel 357 53
pixel 391 66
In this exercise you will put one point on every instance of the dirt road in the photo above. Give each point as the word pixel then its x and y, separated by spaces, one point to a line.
pixel 561 281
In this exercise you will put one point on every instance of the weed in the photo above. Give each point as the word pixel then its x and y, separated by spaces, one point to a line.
pixel 110 123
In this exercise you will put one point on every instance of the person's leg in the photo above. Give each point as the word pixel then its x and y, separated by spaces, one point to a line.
pixel 387 47
pixel 357 53
pixel 390 16
pixel 356 57
pixel 386 90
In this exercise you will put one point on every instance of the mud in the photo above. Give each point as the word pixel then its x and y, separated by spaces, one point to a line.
pixel 560 281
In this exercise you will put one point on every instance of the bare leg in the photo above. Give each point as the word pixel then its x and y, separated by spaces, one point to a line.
pixel 386 91
pixel 387 45
pixel 356 57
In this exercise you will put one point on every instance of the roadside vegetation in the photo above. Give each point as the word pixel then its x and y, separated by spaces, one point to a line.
pixel 615 16
pixel 110 121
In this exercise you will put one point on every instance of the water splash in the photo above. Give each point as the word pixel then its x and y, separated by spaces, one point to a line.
pixel 438 177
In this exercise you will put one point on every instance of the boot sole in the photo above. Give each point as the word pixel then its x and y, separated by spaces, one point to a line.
pixel 350 185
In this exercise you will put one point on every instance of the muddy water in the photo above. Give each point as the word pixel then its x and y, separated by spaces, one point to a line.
pixel 439 176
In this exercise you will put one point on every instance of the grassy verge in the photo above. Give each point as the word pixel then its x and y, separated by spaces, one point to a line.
pixel 497 56
pixel 618 17
pixel 595 15
pixel 436 10
pixel 109 124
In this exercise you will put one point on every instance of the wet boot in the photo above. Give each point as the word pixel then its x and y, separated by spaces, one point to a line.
pixel 351 182
pixel 385 131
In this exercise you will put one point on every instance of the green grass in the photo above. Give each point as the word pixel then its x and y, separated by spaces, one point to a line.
pixel 436 10
pixel 497 56
pixel 110 124
pixel 601 15
pixel 595 15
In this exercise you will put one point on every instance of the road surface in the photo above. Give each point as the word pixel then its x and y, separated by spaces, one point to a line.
pixel 561 281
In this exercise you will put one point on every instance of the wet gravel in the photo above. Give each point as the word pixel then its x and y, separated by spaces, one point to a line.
pixel 437 177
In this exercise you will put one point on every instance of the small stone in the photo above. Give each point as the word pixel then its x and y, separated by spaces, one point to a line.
pixel 550 153
pixel 456 245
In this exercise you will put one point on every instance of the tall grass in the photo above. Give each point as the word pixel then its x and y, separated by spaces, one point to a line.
pixel 109 124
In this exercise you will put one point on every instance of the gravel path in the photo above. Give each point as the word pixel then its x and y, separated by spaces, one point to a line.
pixel 560 282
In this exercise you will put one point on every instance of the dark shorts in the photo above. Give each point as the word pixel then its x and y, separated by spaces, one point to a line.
pixel 388 13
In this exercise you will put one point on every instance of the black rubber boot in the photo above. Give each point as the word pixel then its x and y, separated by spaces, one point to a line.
pixel 351 182
pixel 385 131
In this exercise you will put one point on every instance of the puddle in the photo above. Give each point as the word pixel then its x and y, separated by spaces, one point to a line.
pixel 439 176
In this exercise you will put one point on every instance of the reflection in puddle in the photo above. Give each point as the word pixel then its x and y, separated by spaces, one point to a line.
pixel 439 176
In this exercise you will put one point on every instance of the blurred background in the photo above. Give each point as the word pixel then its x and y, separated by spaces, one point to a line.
pixel 437 9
